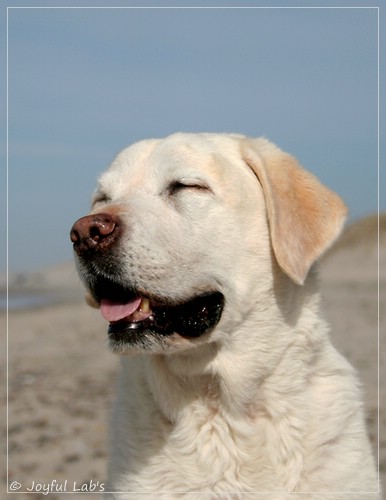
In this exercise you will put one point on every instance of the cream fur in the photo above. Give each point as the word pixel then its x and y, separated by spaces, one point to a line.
pixel 263 407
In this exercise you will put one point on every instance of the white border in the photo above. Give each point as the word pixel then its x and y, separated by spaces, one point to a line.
pixel 326 493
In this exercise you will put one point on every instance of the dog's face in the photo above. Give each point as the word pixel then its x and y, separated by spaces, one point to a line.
pixel 182 237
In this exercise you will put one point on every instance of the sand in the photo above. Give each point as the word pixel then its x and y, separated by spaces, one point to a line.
pixel 61 375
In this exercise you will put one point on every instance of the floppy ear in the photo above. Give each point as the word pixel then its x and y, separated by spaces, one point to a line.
pixel 304 216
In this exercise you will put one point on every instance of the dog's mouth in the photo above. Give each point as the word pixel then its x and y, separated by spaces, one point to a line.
pixel 131 313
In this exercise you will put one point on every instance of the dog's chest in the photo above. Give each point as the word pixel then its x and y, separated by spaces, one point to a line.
pixel 218 446
pixel 160 445
pixel 202 451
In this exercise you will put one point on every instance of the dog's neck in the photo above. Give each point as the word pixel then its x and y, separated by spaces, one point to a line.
pixel 233 377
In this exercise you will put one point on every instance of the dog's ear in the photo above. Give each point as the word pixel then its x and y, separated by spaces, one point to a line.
pixel 304 216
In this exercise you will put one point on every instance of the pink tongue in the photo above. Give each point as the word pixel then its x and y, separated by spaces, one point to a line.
pixel 113 311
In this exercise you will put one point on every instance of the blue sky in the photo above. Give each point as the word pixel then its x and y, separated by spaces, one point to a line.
pixel 85 83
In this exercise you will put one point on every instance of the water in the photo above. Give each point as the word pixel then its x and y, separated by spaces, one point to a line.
pixel 25 300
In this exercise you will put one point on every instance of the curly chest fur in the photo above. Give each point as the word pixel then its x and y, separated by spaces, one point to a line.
pixel 201 449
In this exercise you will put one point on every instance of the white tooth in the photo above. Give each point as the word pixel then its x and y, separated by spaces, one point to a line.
pixel 145 305
pixel 136 316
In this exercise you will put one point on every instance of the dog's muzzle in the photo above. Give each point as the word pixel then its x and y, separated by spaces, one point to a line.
pixel 131 313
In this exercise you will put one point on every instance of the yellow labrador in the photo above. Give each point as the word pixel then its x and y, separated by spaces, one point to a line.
pixel 200 252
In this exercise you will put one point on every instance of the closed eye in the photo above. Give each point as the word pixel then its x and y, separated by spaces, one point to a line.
pixel 100 198
pixel 178 186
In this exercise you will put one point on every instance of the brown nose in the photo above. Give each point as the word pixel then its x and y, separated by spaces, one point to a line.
pixel 94 232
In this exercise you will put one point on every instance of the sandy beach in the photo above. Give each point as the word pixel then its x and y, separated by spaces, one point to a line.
pixel 61 375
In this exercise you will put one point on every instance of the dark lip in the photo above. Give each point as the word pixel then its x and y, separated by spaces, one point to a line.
pixel 190 319
pixel 106 288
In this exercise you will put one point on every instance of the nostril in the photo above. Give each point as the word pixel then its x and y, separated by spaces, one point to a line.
pixel 102 225
pixel 95 233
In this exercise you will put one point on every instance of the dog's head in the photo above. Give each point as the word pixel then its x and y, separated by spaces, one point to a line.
pixel 185 232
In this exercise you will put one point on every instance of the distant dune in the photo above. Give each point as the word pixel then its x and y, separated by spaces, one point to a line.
pixel 354 257
pixel 363 232
pixel 60 279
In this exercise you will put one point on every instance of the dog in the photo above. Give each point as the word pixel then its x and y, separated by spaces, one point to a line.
pixel 201 252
